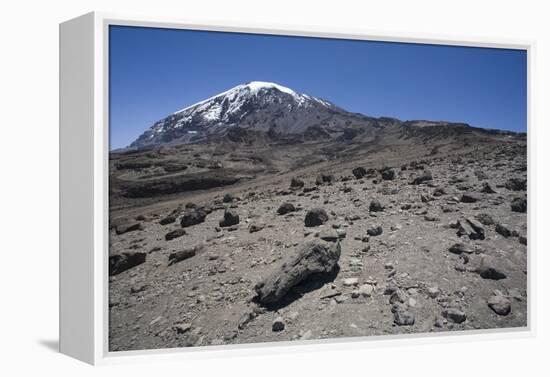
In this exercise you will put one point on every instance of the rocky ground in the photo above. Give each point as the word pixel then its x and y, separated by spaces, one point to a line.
pixel 392 241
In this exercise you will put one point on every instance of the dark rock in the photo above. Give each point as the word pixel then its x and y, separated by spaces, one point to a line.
pixel 359 172
pixel 230 217
pixel 296 183
pixel 459 248
pixel 167 220
pixel 455 315
pixel 469 198
pixel 311 258
pixel 228 198
pixel 375 231
pixel 472 228
pixel 286 208
pixel 516 184
pixel 121 262
pixel 388 174
pixel 176 184
pixel 503 230
pixel 500 304
pixel 174 234
pixel 329 236
pixel 523 240
pixel 129 227
pixel 519 205
pixel 489 268
pixel 309 189
pixel 375 206
pixel 316 217
pixel 487 189
pixel 424 177
pixel 181 255
pixel 255 227
pixel 278 324
pixel 193 217
pixel 324 178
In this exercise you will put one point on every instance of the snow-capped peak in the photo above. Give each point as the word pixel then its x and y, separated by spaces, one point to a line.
pixel 256 86
pixel 253 88
pixel 256 104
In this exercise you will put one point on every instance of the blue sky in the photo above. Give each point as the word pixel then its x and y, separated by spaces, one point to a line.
pixel 154 72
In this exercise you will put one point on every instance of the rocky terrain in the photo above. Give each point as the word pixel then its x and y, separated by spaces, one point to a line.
pixel 262 215
pixel 361 241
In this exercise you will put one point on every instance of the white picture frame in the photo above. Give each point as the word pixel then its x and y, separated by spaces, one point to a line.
pixel 84 189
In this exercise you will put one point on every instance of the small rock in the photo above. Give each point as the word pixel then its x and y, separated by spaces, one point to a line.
pixel 455 315
pixel 286 208
pixel 459 248
pixel 315 217
pixel 175 234
pixel 375 206
pixel 503 230
pixel 433 292
pixel 519 205
pixel 500 304
pixel 230 217
pixel 375 231
pixel 403 318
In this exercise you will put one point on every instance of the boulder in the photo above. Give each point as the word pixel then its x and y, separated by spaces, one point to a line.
pixel 388 174
pixel 296 183
pixel 121 262
pixel 490 268
pixel 230 217
pixel 128 227
pixel 181 255
pixel 455 315
pixel 424 177
pixel 228 198
pixel 359 172
pixel 519 205
pixel 278 324
pixel 472 228
pixel 487 189
pixel 375 206
pixel 499 304
pixel 167 220
pixel 503 230
pixel 460 248
pixel 516 184
pixel 375 231
pixel 315 217
pixel 469 198
pixel 174 234
pixel 324 178
pixel 193 217
pixel 286 208
pixel 314 257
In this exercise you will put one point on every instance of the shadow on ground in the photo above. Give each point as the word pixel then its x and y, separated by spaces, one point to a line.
pixel 52 345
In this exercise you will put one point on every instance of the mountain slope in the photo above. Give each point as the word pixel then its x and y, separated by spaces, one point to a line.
pixel 262 111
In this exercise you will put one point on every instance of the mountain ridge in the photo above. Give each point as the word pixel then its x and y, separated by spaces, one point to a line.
pixel 269 110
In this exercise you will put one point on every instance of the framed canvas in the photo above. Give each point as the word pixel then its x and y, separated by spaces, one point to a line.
pixel 239 189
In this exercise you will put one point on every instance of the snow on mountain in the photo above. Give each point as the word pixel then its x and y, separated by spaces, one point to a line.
pixel 257 105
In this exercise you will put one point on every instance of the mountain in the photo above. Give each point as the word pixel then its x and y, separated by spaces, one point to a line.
pixel 256 106
pixel 262 111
